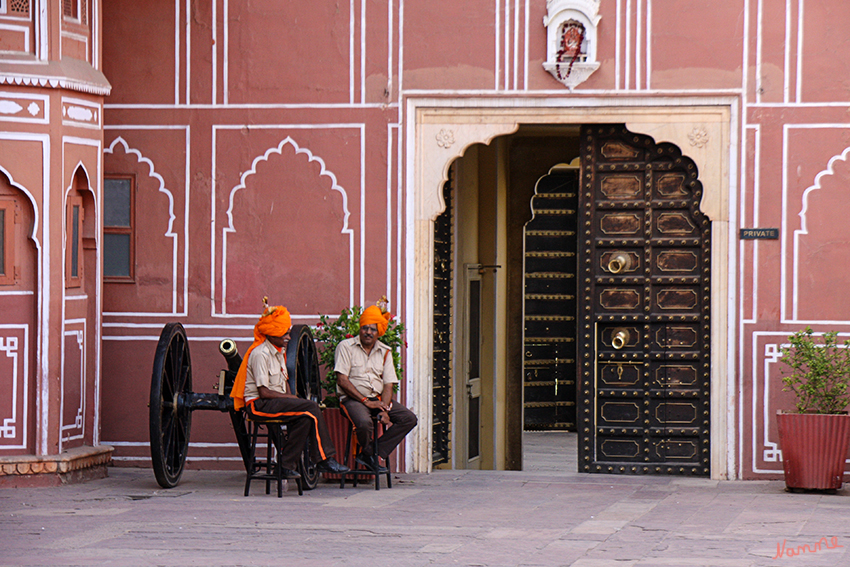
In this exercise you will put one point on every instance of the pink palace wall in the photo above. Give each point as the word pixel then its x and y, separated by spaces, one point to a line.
pixel 50 161
pixel 264 137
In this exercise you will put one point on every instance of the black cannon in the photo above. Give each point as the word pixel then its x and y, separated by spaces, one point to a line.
pixel 173 401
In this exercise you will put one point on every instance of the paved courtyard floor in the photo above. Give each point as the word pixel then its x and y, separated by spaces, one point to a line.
pixel 542 516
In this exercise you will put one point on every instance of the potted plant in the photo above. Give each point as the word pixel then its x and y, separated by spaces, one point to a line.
pixel 329 333
pixel 815 439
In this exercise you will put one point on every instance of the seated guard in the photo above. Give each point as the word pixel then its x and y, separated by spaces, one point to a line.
pixel 365 381
pixel 262 388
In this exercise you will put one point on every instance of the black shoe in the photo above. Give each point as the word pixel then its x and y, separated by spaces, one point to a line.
pixel 371 462
pixel 332 467
pixel 289 473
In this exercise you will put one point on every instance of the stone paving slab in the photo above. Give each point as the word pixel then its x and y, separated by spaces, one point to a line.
pixel 447 518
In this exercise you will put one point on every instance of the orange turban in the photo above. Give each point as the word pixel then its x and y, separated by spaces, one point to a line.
pixel 372 315
pixel 274 322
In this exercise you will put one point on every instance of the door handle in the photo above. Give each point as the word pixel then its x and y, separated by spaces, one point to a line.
pixel 621 338
pixel 619 262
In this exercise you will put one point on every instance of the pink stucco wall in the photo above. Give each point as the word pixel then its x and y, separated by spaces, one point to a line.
pixel 289 152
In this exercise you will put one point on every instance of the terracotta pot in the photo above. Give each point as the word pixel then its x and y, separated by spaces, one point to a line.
pixel 338 428
pixel 814 449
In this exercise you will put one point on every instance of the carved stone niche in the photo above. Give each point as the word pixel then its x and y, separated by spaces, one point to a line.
pixel 571 40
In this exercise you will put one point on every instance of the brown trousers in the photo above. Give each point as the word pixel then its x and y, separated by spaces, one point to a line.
pixel 402 419
pixel 303 420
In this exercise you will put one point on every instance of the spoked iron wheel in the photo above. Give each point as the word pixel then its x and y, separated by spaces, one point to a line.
pixel 302 365
pixel 170 418
pixel 309 472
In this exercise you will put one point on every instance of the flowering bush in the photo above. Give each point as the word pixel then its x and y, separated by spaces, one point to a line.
pixel 329 333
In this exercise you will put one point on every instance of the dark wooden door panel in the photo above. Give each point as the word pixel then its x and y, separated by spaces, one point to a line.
pixel 443 341
pixel 549 340
pixel 644 301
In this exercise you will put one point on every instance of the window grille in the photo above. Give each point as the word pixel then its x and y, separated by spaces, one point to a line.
pixel 75 10
pixel 18 7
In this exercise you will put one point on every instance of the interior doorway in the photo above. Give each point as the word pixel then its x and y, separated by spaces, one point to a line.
pixel 489 201
pixel 581 272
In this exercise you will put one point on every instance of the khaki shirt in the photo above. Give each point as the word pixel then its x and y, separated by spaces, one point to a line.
pixel 266 367
pixel 368 373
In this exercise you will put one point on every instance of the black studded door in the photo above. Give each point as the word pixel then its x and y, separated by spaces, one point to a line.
pixel 442 348
pixel 644 326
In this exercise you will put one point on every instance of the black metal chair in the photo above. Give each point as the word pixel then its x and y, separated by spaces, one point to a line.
pixel 268 469
pixel 362 470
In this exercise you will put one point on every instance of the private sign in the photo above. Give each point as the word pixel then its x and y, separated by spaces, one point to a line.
pixel 759 233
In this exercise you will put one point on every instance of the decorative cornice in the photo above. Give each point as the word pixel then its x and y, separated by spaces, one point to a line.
pixel 55 83
pixel 67 73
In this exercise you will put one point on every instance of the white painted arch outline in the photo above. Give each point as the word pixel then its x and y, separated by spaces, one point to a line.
pixel 82 335
pixel 242 184
pixel 804 229
pixel 26 347
pixel 171 218
pixel 34 205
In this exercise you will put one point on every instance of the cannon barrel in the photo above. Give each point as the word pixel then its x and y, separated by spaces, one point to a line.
pixel 228 350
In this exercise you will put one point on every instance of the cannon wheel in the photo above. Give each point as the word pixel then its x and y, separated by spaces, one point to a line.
pixel 302 365
pixel 170 419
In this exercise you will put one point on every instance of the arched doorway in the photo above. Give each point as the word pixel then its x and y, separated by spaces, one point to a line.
pixel 712 373
pixel 483 306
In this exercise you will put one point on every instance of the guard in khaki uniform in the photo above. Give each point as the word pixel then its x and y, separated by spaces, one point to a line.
pixel 261 387
pixel 365 381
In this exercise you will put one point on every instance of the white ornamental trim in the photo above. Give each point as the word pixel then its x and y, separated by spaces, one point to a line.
pixel 9 107
pixel 80 113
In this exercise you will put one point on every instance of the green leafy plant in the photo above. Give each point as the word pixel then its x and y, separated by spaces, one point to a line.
pixel 329 333
pixel 820 372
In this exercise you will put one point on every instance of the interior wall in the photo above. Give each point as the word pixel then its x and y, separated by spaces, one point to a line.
pixel 488 221
pixel 466 252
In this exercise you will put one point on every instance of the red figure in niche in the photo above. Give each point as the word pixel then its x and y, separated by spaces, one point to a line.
pixel 572 37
